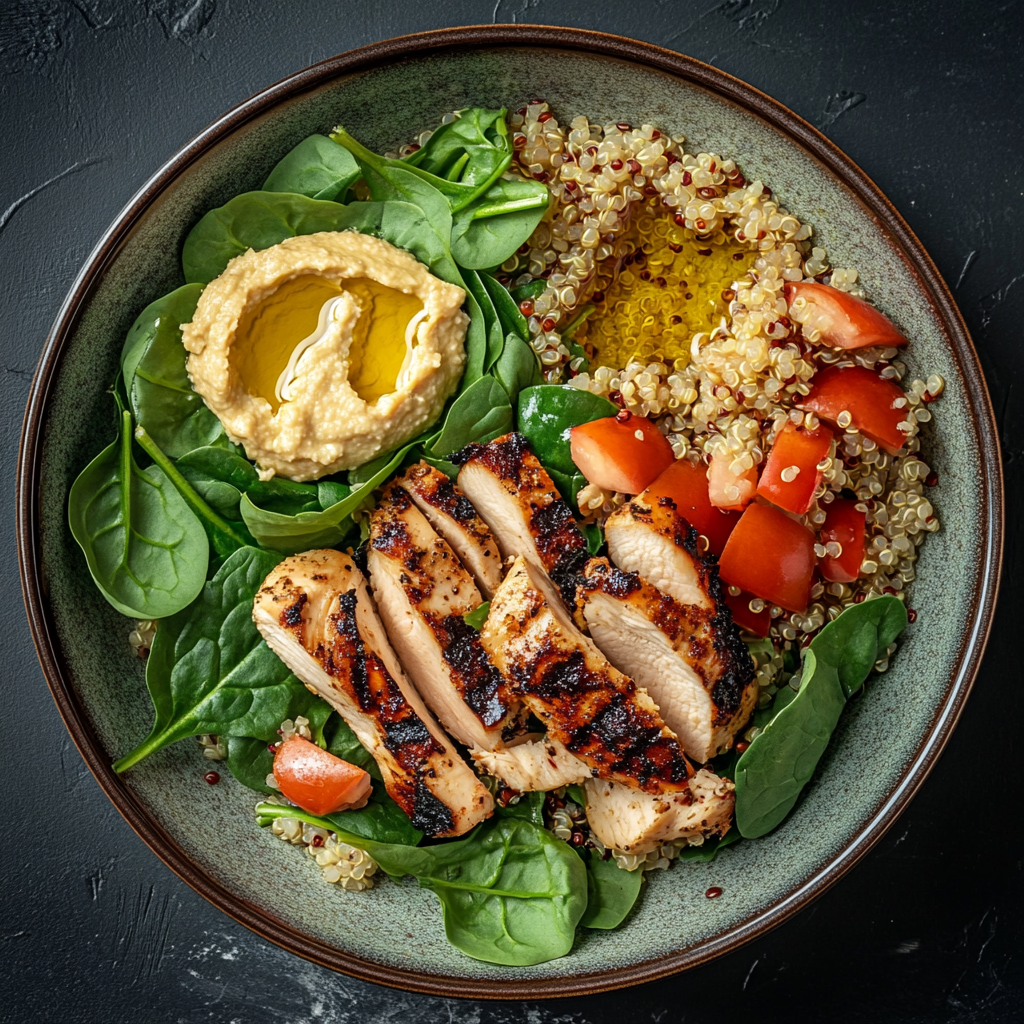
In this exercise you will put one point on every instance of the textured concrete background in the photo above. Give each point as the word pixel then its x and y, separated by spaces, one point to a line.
pixel 925 96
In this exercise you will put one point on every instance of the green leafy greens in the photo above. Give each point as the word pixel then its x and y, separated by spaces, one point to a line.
pixel 780 760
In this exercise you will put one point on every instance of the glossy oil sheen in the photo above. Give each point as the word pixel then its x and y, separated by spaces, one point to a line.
pixel 394 932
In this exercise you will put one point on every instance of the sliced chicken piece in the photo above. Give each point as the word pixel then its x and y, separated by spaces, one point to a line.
pixel 537 764
pixel 691 660
pixel 598 714
pixel 520 503
pixel 453 516
pixel 422 592
pixel 640 822
pixel 652 539
pixel 316 614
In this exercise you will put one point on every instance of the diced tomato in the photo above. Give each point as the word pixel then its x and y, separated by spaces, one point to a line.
pixel 620 453
pixel 799 449
pixel 687 485
pixel 844 320
pixel 772 556
pixel 869 399
pixel 728 489
pixel 844 524
pixel 757 623
pixel 315 779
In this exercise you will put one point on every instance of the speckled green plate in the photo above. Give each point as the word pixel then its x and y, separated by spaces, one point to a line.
pixel 384 94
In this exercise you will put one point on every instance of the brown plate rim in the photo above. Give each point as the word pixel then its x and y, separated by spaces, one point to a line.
pixel 76 718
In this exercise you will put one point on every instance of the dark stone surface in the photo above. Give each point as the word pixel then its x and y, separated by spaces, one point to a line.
pixel 926 96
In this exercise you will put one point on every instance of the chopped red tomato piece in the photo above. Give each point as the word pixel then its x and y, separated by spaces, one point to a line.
pixel 620 453
pixel 315 779
pixel 687 485
pixel 844 525
pixel 870 400
pixel 727 488
pixel 844 320
pixel 757 623
pixel 791 474
pixel 772 556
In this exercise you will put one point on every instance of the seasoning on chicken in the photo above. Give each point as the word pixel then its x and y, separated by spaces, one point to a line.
pixel 316 614
pixel 519 502
pixel 453 516
pixel 599 715
pixel 652 539
pixel 640 822
pixel 536 764
pixel 691 660
pixel 422 592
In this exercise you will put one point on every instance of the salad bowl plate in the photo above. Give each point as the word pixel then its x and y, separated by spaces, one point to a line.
pixel 385 94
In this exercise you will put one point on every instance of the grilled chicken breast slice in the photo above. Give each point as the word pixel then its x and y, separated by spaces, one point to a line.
pixel 316 614
pixel 536 764
pixel 652 539
pixel 691 660
pixel 640 822
pixel 520 503
pixel 599 715
pixel 453 516
pixel 422 592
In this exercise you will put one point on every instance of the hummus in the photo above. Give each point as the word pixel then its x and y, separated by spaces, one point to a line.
pixel 322 352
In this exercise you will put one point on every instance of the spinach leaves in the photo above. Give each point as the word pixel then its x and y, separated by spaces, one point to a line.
pixel 545 416
pixel 153 368
pixel 779 762
pixel 209 670
pixel 511 893
pixel 317 167
pixel 611 892
pixel 146 550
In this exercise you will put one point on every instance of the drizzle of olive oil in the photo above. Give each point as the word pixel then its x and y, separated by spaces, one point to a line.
pixel 379 344
pixel 671 286
pixel 269 332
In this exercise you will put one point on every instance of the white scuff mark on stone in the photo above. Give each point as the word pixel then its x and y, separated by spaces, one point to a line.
pixel 78 165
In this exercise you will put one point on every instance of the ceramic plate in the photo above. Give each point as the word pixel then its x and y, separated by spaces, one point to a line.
pixel 385 94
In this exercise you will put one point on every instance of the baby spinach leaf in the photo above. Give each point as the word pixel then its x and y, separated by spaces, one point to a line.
pixel 779 761
pixel 512 319
pixel 481 413
pixel 511 893
pixel 490 230
pixel 326 528
pixel 611 892
pixel 286 497
pixel 209 670
pixel 705 853
pixel 476 143
pixel 517 367
pixel 224 536
pixel 495 334
pixel 531 290
pixel 594 535
pixel 220 475
pixel 478 616
pixel 258 220
pixel 330 492
pixel 250 761
pixel 381 820
pixel 548 412
pixel 568 485
pixel 145 548
pixel 153 369
pixel 317 167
